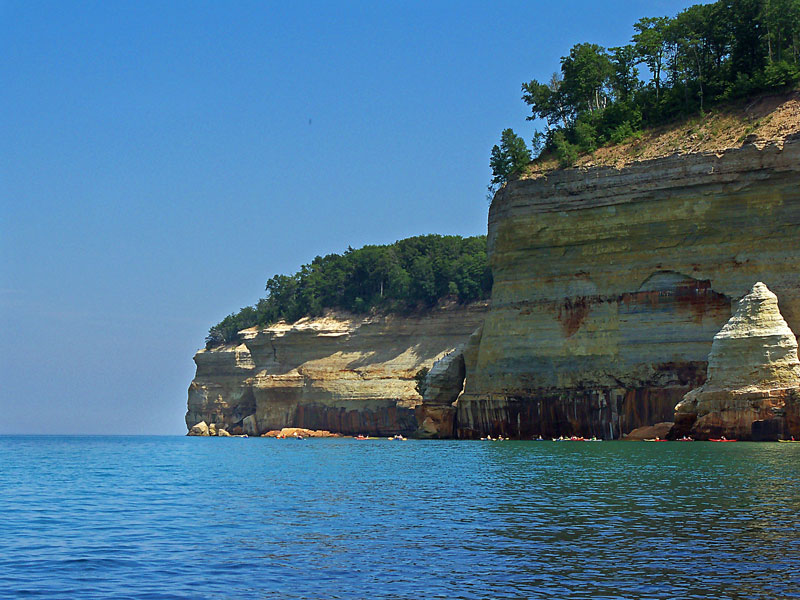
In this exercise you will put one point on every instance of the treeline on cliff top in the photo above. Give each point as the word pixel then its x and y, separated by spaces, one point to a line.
pixel 410 274
pixel 706 55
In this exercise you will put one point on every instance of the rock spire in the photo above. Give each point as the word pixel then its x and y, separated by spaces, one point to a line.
pixel 753 368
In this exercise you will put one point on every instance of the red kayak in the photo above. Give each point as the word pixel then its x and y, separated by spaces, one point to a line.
pixel 723 440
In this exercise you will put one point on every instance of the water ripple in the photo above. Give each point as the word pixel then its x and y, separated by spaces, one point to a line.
pixel 142 518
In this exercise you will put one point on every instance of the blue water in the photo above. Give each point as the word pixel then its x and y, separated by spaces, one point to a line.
pixel 149 517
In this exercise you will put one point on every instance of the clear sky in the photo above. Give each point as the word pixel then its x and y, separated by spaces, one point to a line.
pixel 159 161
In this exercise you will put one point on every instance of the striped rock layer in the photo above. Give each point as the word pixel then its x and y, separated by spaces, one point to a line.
pixel 609 286
pixel 342 373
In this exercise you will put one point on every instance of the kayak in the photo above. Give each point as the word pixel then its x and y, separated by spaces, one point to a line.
pixel 790 441
pixel 655 440
pixel 723 440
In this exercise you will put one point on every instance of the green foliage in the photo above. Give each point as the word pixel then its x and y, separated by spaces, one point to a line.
pixel 547 101
pixel 586 75
pixel 651 45
pixel 621 133
pixel 585 136
pixel 705 55
pixel 625 78
pixel 538 142
pixel 228 329
pixel 566 152
pixel 781 74
pixel 511 156
pixel 412 273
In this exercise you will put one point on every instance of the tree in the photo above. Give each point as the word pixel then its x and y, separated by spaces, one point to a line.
pixel 546 101
pixel 782 20
pixel 420 377
pixel 625 79
pixel 587 72
pixel 748 50
pixel 693 35
pixel 707 54
pixel 651 45
pixel 407 275
pixel 510 157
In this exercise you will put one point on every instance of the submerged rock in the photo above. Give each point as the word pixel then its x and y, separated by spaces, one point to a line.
pixel 659 430
pixel 753 369
pixel 299 432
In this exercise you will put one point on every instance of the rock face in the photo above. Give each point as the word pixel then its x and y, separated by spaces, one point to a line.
pixel 444 384
pixel 219 392
pixel 199 429
pixel 609 286
pixel 752 370
pixel 339 373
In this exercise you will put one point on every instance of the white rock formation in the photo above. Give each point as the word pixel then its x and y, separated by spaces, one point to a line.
pixel 755 349
pixel 200 428
pixel 753 368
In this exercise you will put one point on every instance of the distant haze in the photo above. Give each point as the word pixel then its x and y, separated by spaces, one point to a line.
pixel 160 161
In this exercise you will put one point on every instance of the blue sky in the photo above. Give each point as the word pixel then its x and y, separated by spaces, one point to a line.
pixel 160 161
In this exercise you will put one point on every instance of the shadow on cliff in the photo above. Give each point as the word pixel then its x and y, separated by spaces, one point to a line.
pixel 421 352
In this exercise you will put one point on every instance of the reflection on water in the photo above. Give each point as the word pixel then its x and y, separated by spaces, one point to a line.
pixel 253 518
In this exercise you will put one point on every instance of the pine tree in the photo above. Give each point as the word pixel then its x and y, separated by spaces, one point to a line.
pixel 511 156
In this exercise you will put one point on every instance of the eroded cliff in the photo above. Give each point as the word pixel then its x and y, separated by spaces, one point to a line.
pixel 341 373
pixel 609 285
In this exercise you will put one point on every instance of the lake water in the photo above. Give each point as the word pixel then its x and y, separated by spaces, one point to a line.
pixel 162 517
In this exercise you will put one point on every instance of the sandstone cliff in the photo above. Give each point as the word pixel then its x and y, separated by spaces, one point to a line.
pixel 341 373
pixel 221 391
pixel 609 285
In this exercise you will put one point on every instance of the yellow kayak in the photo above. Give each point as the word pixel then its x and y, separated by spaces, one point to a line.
pixel 790 441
